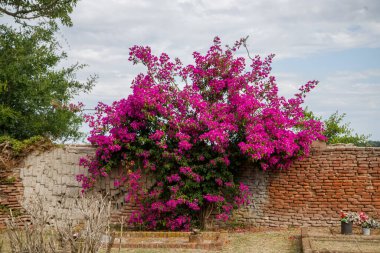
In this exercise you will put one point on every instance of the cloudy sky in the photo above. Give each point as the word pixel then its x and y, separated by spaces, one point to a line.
pixel 335 42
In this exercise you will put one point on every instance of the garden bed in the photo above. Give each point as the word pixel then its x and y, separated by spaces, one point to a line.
pixel 324 240
pixel 177 240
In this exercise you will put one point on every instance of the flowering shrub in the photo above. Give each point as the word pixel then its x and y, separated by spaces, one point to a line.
pixel 191 127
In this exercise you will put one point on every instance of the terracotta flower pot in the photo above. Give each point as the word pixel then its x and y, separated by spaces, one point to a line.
pixel 346 228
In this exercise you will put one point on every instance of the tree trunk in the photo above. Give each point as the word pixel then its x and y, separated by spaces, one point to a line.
pixel 205 214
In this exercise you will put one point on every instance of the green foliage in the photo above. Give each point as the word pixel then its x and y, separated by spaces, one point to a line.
pixel 41 10
pixel 5 209
pixel 339 132
pixel 18 147
pixel 310 115
pixel 34 94
pixel 12 151
pixel 7 180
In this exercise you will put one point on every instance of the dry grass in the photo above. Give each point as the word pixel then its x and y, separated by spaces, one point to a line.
pixel 286 240
pixel 39 236
pixel 4 242
pixel 263 241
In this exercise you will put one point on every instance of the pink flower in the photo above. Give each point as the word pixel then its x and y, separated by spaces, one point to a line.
pixel 193 205
pixel 185 170
pixel 173 203
pixel 173 178
pixel 222 216
pixel 157 135
pixel 159 206
pixel 213 198
pixel 219 181
pixel 184 145
pixel 229 184
pixel 363 216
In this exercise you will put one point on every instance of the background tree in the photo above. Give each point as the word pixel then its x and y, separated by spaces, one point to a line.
pixel 336 131
pixel 339 132
pixel 34 95
pixel 374 143
pixel 39 10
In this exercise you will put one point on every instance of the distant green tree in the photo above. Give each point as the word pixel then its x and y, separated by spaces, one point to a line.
pixel 24 11
pixel 339 132
pixel 34 94
pixel 374 143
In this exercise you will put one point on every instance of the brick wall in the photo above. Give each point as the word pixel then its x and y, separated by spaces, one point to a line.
pixel 311 192
pixel 11 189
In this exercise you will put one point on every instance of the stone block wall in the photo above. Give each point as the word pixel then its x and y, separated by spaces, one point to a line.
pixel 52 175
pixel 310 193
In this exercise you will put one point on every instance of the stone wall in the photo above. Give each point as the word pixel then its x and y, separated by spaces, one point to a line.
pixel 52 175
pixel 311 192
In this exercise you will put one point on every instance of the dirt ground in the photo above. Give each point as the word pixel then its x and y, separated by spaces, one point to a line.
pixel 263 241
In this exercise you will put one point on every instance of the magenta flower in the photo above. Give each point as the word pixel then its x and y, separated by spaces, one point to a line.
pixel 213 198
pixel 173 178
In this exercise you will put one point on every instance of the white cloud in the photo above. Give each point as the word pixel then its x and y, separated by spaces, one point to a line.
pixel 104 30
pixel 355 93
pixel 290 28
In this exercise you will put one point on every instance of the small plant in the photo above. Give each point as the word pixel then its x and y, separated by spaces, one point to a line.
pixel 348 217
pixel 4 209
pixel 7 180
pixel 367 222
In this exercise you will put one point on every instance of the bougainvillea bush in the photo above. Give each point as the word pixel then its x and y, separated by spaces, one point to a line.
pixel 191 127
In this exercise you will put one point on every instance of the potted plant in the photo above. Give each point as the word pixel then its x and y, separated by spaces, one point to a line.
pixel 367 223
pixel 346 221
